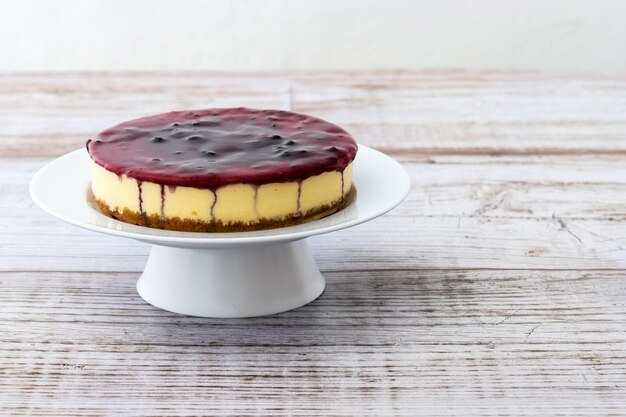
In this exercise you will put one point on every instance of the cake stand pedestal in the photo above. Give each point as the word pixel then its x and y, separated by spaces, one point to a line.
pixel 224 274
pixel 231 282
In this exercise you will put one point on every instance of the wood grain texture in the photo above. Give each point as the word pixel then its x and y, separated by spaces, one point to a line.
pixel 474 215
pixel 427 112
pixel 496 288
pixel 376 342
pixel 463 112
pixel 48 115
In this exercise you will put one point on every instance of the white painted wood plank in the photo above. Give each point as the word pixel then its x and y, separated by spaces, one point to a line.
pixel 376 342
pixel 496 289
pixel 49 115
pixel 477 215
pixel 469 112
pixel 425 112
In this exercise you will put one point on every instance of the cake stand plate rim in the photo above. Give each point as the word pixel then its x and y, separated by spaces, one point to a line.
pixel 61 187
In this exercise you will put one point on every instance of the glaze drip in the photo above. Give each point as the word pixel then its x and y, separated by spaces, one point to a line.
pixel 254 187
pixel 162 201
pixel 213 205
pixel 139 186
pixel 256 201
pixel 298 210
pixel 343 192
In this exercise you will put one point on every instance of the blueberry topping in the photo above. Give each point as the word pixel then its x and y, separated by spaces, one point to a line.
pixel 247 146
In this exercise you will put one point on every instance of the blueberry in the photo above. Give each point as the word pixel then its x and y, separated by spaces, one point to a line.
pixel 195 138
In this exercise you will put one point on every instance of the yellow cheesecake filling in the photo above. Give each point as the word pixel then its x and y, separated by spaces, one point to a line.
pixel 237 203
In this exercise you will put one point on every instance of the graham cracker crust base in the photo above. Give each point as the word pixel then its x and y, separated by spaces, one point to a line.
pixel 187 225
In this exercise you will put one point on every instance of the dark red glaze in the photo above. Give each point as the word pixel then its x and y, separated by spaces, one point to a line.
pixel 215 147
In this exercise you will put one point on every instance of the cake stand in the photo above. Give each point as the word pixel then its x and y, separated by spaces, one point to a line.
pixel 240 274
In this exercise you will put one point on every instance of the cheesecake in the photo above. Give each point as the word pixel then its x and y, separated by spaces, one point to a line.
pixel 222 170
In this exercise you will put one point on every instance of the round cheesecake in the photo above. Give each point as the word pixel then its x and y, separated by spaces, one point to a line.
pixel 222 170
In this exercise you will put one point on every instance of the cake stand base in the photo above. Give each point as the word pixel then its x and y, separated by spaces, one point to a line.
pixel 234 282
pixel 224 274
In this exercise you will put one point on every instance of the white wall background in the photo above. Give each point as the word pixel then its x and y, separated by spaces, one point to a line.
pixel 42 35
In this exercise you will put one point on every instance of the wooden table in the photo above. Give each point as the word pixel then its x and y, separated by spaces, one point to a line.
pixel 497 288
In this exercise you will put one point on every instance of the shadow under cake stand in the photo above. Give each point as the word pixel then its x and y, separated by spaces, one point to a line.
pixel 241 274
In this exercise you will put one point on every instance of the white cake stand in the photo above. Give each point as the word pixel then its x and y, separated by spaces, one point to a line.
pixel 224 274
